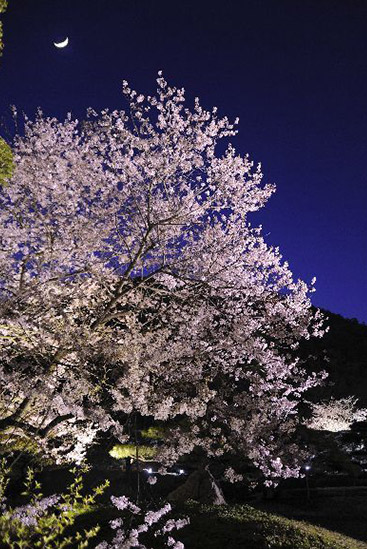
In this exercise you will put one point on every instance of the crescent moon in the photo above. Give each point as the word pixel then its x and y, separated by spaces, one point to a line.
pixel 62 44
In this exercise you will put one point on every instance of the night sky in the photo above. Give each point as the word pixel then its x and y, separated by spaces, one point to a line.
pixel 295 72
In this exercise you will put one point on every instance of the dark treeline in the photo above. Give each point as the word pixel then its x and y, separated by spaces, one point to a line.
pixel 342 352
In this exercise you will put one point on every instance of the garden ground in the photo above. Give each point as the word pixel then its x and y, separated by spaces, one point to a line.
pixel 332 521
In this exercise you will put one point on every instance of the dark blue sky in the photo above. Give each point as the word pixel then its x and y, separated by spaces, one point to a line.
pixel 295 72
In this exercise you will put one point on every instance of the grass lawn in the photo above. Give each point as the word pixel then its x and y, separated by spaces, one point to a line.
pixel 243 527
pixel 346 514
pixel 236 527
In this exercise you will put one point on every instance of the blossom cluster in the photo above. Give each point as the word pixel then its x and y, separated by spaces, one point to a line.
pixel 126 536
pixel 29 514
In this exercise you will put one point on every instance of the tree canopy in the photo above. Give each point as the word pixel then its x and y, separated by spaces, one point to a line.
pixel 133 285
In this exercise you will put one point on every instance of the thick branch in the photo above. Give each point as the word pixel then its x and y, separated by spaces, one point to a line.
pixel 120 285
pixel 29 429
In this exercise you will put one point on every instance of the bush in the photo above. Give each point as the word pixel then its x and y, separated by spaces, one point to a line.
pixel 46 521
pixel 6 155
pixel 123 451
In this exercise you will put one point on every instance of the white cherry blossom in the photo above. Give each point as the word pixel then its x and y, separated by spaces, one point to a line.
pixel 132 281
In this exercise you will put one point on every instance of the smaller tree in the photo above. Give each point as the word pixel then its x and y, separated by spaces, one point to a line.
pixel 336 415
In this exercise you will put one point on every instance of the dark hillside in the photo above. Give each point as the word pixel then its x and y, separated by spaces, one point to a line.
pixel 342 352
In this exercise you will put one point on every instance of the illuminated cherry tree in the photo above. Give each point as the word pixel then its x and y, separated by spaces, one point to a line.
pixel 336 414
pixel 133 283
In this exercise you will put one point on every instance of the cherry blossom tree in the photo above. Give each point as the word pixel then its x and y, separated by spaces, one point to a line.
pixel 336 414
pixel 132 284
